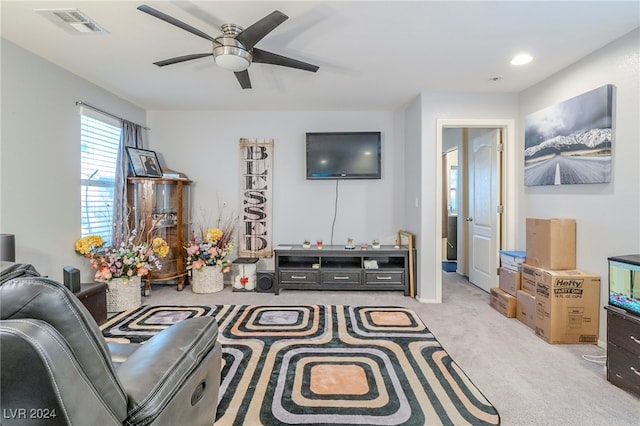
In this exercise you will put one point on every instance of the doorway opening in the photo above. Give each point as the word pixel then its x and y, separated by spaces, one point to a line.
pixel 469 142
pixel 450 210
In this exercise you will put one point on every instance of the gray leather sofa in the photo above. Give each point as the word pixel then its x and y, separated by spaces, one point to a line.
pixel 57 369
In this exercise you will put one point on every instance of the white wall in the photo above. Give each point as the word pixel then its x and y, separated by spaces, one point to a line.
pixel 40 157
pixel 413 166
pixel 451 139
pixel 607 214
pixel 412 175
pixel 204 146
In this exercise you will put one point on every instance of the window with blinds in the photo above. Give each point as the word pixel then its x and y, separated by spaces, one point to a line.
pixel 99 139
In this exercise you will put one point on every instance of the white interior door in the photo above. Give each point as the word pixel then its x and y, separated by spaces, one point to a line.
pixel 483 218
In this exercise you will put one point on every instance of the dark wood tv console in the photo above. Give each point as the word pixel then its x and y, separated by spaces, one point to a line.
pixel 338 268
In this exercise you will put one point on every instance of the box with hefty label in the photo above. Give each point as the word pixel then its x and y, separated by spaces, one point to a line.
pixel 551 243
pixel 567 306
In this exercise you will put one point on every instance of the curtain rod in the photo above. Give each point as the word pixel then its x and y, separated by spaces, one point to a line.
pixel 80 103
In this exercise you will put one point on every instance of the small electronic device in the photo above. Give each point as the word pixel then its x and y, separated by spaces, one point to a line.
pixel 266 282
pixel 71 278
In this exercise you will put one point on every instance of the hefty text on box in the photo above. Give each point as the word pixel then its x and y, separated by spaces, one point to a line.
pixel 572 286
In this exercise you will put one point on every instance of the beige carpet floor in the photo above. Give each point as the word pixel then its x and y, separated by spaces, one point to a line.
pixel 529 381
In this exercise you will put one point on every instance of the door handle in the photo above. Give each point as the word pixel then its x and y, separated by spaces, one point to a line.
pixel 469 219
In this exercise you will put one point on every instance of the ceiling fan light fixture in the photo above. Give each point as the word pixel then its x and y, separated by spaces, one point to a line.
pixel 232 58
pixel 234 50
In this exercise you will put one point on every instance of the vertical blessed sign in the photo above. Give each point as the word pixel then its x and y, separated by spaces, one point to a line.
pixel 255 198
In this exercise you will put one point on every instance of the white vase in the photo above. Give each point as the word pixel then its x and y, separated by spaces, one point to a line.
pixel 208 279
pixel 123 294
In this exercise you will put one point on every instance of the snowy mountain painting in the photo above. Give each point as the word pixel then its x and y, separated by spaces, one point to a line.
pixel 570 142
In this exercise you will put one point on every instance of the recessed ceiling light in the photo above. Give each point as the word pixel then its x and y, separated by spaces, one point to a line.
pixel 521 59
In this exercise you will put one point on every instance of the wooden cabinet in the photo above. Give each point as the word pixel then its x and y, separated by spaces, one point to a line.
pixel 623 349
pixel 166 203
pixel 336 268
pixel 94 297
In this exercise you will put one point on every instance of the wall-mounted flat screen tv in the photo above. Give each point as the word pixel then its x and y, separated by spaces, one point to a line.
pixel 344 155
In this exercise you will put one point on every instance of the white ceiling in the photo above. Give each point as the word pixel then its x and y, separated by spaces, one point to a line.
pixel 371 54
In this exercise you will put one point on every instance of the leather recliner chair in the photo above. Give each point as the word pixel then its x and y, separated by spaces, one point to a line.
pixel 57 369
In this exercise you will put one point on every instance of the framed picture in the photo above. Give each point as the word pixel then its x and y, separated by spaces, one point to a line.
pixel 144 162
pixel 408 239
pixel 571 142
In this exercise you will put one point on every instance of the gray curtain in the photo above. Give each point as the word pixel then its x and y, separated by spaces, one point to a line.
pixel 132 135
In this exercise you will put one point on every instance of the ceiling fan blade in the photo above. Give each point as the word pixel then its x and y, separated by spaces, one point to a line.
pixel 156 13
pixel 264 57
pixel 256 32
pixel 243 79
pixel 184 58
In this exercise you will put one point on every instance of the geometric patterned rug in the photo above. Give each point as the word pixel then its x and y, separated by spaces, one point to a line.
pixel 325 365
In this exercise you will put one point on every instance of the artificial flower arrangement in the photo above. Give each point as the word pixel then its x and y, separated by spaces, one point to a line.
pixel 211 246
pixel 135 256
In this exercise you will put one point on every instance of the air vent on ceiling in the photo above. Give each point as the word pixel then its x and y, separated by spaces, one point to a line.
pixel 72 21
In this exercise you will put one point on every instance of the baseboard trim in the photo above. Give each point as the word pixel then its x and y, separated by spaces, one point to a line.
pixel 423 300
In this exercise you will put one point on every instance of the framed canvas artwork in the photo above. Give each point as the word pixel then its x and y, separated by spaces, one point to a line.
pixel 570 142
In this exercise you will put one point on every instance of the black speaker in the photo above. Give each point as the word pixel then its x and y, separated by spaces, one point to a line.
pixel 266 282
pixel 71 278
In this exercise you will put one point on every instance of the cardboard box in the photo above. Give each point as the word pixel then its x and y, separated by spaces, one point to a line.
pixel 526 308
pixel 509 281
pixel 512 259
pixel 551 243
pixel 529 278
pixel 567 306
pixel 503 302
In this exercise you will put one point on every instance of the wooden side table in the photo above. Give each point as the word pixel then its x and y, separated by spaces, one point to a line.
pixel 94 297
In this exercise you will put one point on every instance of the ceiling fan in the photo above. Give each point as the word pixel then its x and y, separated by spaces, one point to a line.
pixel 234 50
